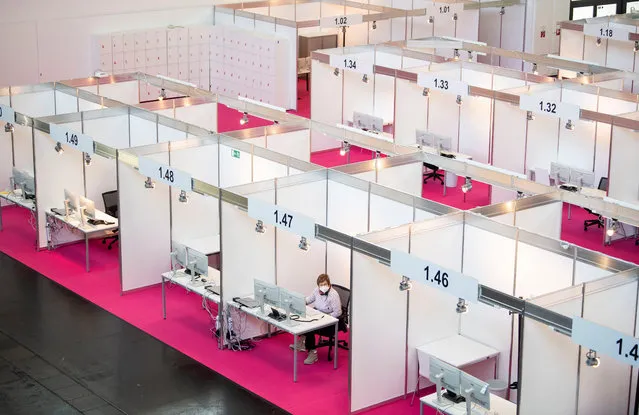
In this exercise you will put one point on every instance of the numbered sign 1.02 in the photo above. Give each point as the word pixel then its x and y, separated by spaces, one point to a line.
pixel 166 174
pixel 281 217
pixel 71 138
pixel 425 272
pixel 542 105
pixel 442 83
pixel 604 31
pixel 356 63
pixel 341 21
pixel 7 114
pixel 605 341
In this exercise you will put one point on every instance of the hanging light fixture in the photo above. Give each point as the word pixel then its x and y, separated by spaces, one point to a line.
pixel 87 159
pixel 591 359
pixel 162 95
pixel 636 48
pixel 376 157
pixel 374 24
pixel 183 197
pixel 244 119
pixel 502 11
pixel 148 183
pixel 426 92
pixel 570 125
pixel 303 245
pixel 530 116
pixel 431 19
pixel 467 186
pixel 598 41
pixel 534 69
pixel 470 56
pixel 462 306
pixel 459 100
pixel 405 284
pixel 259 227
pixel 614 227
pixel 336 72
pixel 456 54
pixel 365 78
pixel 454 17
pixel 58 148
pixel 345 148
pixel 9 128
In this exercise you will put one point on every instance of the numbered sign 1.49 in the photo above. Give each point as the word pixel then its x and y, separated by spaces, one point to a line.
pixel 606 341
pixel 425 272
pixel 7 114
pixel 354 62
pixel 604 31
pixel 445 84
pixel 552 107
pixel 281 217
pixel 166 174
pixel 71 138
pixel 341 21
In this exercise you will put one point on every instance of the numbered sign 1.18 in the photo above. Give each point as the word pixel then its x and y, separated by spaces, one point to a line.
pixel 281 217
pixel 604 31
pixel 7 114
pixel 62 134
pixel 166 174
pixel 354 62
pixel 341 21
pixel 445 84
pixel 552 107
pixel 452 282
pixel 606 341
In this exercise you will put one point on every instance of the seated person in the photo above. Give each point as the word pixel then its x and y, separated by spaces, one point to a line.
pixel 326 300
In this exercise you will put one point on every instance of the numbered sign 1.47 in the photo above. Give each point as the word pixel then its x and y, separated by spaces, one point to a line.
pixel 425 272
pixel 71 138
pixel 552 107
pixel 341 21
pixel 166 174
pixel 437 82
pixel 281 217
pixel 7 114
pixel 605 341
pixel 355 62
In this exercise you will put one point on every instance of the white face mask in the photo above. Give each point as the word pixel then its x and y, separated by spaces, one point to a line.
pixel 323 288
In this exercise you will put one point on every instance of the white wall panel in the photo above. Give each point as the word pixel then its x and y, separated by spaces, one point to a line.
pixel 411 113
pixel 202 115
pixel 234 171
pixel 474 128
pixel 127 92
pixel 624 170
pixel 296 144
pixel 264 169
pixel 406 178
pixel 543 220
pixel 509 137
pixel 326 103
pixel 358 95
pixel 143 132
pixel 540 271
pixel 542 142
pixel 443 116
pixel 65 103
pixel 386 213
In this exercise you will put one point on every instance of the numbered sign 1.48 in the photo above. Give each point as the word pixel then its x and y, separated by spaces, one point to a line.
pixel 341 21
pixel 606 341
pixel 604 31
pixel 355 62
pixel 71 138
pixel 437 82
pixel 166 174
pixel 281 217
pixel 552 107
pixel 425 272
pixel 7 114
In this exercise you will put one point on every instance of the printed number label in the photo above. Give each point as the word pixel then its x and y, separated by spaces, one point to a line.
pixel 341 21
pixel 350 64
pixel 72 139
pixel 283 219
pixel 289 220
pixel 632 352
pixel 550 107
pixel 444 9
pixel 7 114
pixel 166 174
pixel 605 32
pixel 441 84
pixel 440 278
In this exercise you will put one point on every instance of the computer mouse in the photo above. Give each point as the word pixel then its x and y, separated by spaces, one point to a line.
pixel 203 279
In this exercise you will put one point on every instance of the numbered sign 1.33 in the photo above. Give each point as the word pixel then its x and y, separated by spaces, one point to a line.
pixel 71 138
pixel 605 341
pixel 604 31
pixel 163 173
pixel 436 82
pixel 354 62
pixel 281 217
pixel 452 282
pixel 341 21
pixel 552 107
pixel 7 114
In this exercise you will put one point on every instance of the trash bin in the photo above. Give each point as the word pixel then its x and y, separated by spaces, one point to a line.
pixel 450 179
pixel 498 387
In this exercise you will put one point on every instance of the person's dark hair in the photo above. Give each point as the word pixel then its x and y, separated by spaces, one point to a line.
pixel 323 278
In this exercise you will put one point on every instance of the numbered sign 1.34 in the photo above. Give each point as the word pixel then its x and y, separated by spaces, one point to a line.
pixel 606 341
pixel 436 82
pixel 71 138
pixel 354 62
pixel 281 217
pixel 7 114
pixel 604 31
pixel 552 107
pixel 166 174
pixel 452 282
pixel 341 21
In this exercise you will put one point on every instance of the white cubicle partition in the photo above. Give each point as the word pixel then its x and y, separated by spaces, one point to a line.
pixel 624 183
pixel 292 139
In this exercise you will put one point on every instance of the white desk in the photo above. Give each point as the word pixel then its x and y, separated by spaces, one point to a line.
pixel 323 320
pixel 498 405
pixel 207 245
pixel 16 200
pixel 87 229
pixel 184 280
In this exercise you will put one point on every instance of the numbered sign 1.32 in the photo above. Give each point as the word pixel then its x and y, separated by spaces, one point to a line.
pixel 63 135
pixel 606 341
pixel 552 107
pixel 446 84
pixel 604 31
pixel 452 282
pixel 341 21
pixel 281 217
pixel 7 114
pixel 166 174
pixel 354 62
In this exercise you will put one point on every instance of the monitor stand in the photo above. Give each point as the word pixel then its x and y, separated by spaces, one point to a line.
pixel 288 320
pixel 66 210
pixel 438 385
pixel 469 401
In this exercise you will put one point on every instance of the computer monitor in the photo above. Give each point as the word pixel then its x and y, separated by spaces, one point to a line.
pixel 445 143
pixel 582 178
pixel 89 207
pixel 475 391
pixel 266 293
pixel 28 182
pixel 443 374
pixel 178 256
pixel 367 121
pixel 72 200
pixel 293 303
pixel 199 263
pixel 560 172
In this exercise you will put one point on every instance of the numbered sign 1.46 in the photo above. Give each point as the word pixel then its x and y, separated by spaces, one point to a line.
pixel 166 174
pixel 436 82
pixel 452 282
pixel 604 31
pixel 71 138
pixel 281 217
pixel 552 107
pixel 341 21
pixel 7 114
pixel 606 341
pixel 354 62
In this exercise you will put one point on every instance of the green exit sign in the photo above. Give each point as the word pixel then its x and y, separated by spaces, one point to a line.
pixel 236 153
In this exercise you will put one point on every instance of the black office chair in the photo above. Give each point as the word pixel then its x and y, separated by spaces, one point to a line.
pixel 111 203
pixel 599 222
pixel 433 174
pixel 345 298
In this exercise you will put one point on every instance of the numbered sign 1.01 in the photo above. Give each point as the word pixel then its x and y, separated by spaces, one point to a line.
pixel 71 138
pixel 445 84
pixel 341 21
pixel 355 62
pixel 606 341
pixel 452 282
pixel 604 31
pixel 281 217
pixel 447 9
pixel 552 107
pixel 7 114
pixel 166 174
